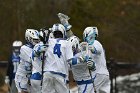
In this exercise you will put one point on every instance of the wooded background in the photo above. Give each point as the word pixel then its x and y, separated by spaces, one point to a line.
pixel 118 22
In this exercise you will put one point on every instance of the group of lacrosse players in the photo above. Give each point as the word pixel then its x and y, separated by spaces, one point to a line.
pixel 50 53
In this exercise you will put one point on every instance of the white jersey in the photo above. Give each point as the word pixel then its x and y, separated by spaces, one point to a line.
pixel 99 59
pixel 24 65
pixel 57 54
pixel 35 78
pixel 36 61
pixel 36 65
pixel 80 71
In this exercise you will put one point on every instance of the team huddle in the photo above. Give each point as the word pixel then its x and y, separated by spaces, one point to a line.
pixel 49 55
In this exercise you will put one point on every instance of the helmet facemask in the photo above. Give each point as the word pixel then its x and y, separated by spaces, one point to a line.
pixel 32 36
pixel 89 35
pixel 16 46
pixel 90 39
pixel 35 41
pixel 58 34
pixel 74 41
pixel 58 31
pixel 16 50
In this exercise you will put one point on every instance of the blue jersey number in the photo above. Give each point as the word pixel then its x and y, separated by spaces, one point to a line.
pixel 57 50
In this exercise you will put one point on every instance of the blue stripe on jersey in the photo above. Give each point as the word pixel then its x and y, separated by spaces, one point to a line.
pixel 33 55
pixel 38 49
pixel 36 76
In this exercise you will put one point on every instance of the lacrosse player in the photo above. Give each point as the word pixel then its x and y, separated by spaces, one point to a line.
pixel 101 82
pixel 80 65
pixel 12 66
pixel 37 63
pixel 56 55
pixel 24 68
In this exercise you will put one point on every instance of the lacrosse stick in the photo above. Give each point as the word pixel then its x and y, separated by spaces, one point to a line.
pixel 45 41
pixel 88 53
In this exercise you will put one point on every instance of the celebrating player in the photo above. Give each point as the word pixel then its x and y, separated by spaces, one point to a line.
pixel 24 68
pixel 80 65
pixel 36 60
pixel 101 82
pixel 56 55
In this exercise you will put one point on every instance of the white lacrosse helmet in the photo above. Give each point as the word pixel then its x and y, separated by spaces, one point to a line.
pixel 17 44
pixel 59 28
pixel 89 34
pixel 46 33
pixel 74 41
pixel 32 36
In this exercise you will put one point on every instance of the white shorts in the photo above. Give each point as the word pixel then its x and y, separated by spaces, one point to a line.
pixel 85 88
pixel 35 86
pixel 21 83
pixel 102 83
pixel 54 83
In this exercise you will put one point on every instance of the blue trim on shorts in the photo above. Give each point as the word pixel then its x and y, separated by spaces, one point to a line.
pixel 85 89
pixel 86 81
pixel 36 76
pixel 21 87
pixel 58 73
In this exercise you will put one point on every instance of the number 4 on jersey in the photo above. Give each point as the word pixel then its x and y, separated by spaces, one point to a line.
pixel 57 50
